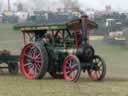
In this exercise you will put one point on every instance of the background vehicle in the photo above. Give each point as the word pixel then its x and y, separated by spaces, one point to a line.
pixel 9 59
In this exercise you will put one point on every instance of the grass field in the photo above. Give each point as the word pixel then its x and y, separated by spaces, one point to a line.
pixel 115 83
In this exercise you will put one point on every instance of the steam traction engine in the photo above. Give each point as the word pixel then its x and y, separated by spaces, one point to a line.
pixel 62 49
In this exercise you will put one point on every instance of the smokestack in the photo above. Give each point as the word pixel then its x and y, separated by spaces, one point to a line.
pixel 9 8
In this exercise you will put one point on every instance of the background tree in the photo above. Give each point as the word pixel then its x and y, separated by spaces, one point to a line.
pixel 20 7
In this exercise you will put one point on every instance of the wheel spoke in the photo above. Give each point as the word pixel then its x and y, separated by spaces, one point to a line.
pixel 37 56
pixel 28 56
pixel 74 66
pixel 99 64
pixel 99 73
pixel 37 61
pixel 70 63
pixel 97 60
pixel 37 68
pixel 68 72
pixel 100 68
pixel 94 60
pixel 38 65
pixel 35 71
pixel 28 64
pixel 67 62
pixel 30 70
pixel 34 51
pixel 74 73
pixel 68 68
pixel 96 75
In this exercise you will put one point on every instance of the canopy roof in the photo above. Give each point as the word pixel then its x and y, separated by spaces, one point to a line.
pixel 71 25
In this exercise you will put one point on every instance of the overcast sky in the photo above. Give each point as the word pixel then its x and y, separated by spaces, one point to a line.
pixel 99 4
pixel 96 4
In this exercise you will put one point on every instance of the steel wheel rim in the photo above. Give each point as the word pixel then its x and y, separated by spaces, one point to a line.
pixel 31 61
pixel 71 70
pixel 96 72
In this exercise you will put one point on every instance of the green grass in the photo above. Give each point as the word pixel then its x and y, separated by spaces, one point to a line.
pixel 115 57
pixel 10 39
pixel 20 86
pixel 115 84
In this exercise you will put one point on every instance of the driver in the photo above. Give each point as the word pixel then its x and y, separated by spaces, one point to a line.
pixel 47 38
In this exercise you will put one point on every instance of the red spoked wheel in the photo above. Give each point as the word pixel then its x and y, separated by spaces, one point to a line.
pixel 71 68
pixel 97 70
pixel 33 61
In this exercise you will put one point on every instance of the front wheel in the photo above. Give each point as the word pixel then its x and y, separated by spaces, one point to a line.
pixel 71 68
pixel 34 61
pixel 97 69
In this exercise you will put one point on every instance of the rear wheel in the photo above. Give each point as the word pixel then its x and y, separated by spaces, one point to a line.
pixel 34 61
pixel 71 68
pixel 97 70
